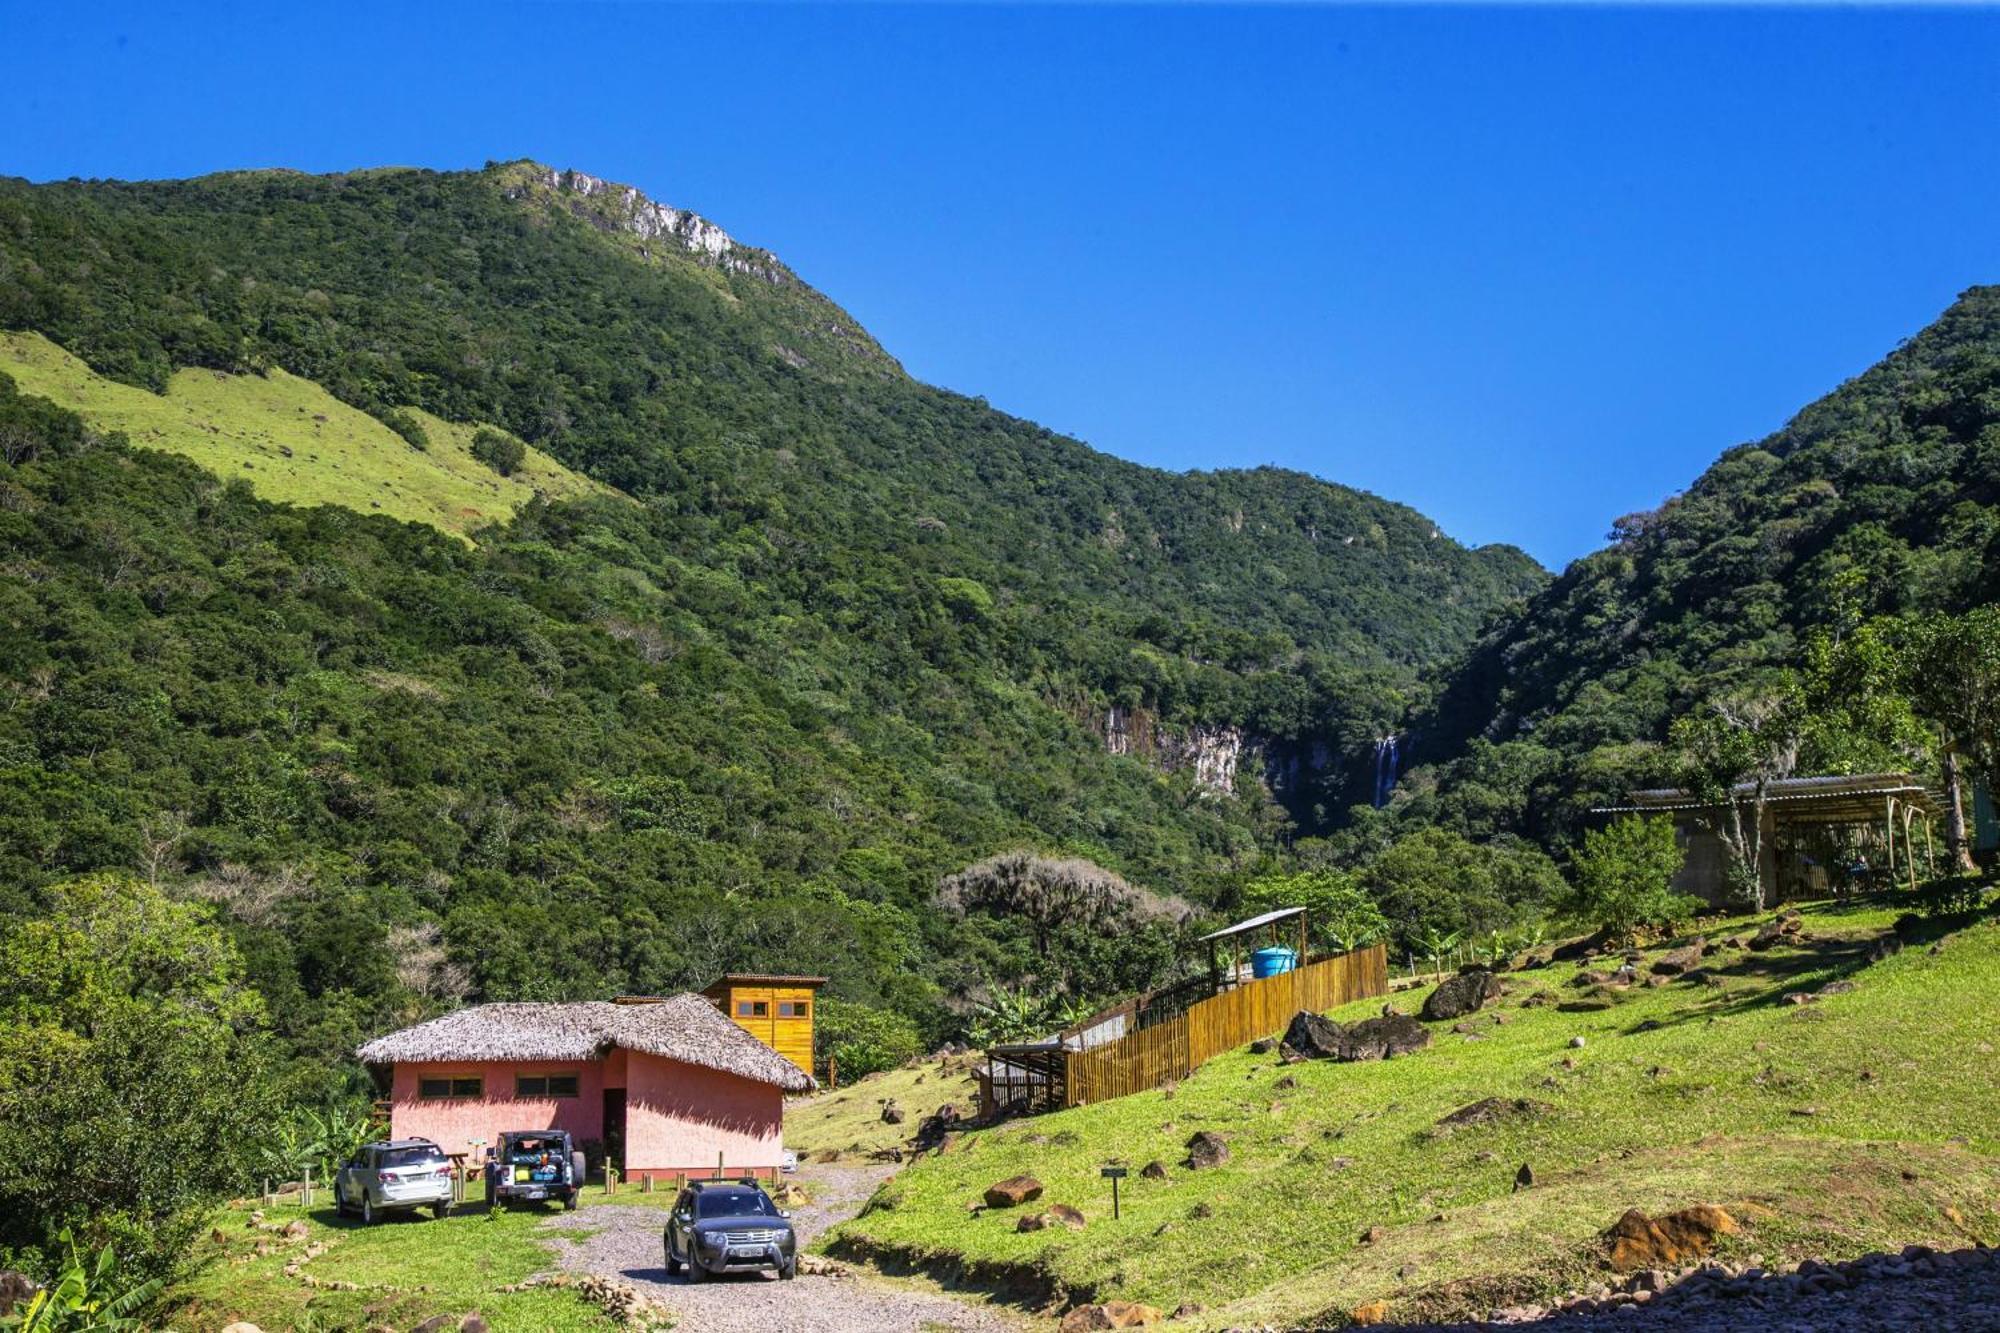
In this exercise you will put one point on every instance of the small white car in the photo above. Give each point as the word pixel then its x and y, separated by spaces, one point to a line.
pixel 397 1176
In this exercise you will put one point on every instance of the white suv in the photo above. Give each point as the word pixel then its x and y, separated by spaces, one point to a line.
pixel 392 1177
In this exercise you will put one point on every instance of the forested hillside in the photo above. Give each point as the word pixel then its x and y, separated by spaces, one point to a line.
pixel 841 633
pixel 1880 500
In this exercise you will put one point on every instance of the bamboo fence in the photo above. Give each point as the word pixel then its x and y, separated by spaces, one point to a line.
pixel 1182 1044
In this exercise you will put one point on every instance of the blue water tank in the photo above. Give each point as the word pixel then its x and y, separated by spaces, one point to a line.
pixel 1270 962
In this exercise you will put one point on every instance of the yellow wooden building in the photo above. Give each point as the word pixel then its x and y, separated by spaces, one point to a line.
pixel 777 1010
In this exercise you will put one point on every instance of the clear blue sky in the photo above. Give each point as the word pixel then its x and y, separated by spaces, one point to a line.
pixel 1524 269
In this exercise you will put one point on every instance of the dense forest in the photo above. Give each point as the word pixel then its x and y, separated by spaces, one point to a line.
pixel 1881 500
pixel 846 633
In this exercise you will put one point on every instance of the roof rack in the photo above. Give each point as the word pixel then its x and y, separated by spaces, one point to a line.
pixel 712 1181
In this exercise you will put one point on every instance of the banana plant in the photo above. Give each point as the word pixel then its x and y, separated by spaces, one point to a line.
pixel 1436 944
pixel 88 1296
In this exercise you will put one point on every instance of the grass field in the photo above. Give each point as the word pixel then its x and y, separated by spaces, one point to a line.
pixel 1862 1120
pixel 294 442
pixel 848 1122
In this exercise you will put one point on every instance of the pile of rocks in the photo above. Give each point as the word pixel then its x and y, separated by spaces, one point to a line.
pixel 1917 1288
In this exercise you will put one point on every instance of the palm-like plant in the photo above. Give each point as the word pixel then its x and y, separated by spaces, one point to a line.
pixel 1004 1014
pixel 1436 944
pixel 89 1295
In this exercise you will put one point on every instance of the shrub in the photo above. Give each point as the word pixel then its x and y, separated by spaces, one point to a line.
pixel 1624 878
pixel 503 453
pixel 406 425
pixel 860 1040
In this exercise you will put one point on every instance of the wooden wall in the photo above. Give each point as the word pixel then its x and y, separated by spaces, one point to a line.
pixel 789 1037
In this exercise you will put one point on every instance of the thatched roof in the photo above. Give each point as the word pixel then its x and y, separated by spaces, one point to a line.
pixel 686 1028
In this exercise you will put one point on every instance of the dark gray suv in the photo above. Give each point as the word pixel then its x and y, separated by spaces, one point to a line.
pixel 729 1226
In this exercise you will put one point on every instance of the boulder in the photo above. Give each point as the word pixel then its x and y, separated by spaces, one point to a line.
pixel 1111 1314
pixel 437 1323
pixel 1491 1111
pixel 892 1114
pixel 1313 1036
pixel 1524 1178
pixel 1383 1038
pixel 1369 1313
pixel 935 1129
pixel 1637 1241
pixel 1585 979
pixel 1013 1192
pixel 1888 945
pixel 1455 997
pixel 1056 1215
pixel 1767 937
pixel 296 1229
pixel 474 1323
pixel 1154 1171
pixel 1263 1046
pixel 1205 1148
pixel 1676 961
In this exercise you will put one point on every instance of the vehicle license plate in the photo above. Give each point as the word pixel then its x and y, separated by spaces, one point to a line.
pixel 537 1194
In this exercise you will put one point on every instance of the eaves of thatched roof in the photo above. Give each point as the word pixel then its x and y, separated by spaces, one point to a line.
pixel 686 1028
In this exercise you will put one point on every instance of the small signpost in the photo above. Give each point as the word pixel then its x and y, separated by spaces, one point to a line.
pixel 1114 1174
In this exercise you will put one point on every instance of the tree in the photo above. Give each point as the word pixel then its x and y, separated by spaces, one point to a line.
pixel 1624 875
pixel 1436 881
pixel 855 1040
pixel 1950 668
pixel 499 451
pixel 1729 751
pixel 134 1085
pixel 1340 916
pixel 1054 893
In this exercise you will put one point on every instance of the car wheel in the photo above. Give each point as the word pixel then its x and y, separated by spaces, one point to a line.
pixel 569 1202
pixel 673 1264
pixel 789 1269
pixel 339 1200
pixel 443 1210
pixel 367 1208
pixel 578 1168
pixel 696 1273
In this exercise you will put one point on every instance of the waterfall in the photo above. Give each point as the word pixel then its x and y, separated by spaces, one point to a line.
pixel 1386 759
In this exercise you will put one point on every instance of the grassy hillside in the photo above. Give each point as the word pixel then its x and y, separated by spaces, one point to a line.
pixel 848 1121
pixel 1858 1121
pixel 294 442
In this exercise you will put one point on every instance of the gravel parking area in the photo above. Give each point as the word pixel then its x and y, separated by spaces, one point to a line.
pixel 625 1244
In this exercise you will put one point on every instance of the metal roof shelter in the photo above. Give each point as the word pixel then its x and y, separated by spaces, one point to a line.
pixel 1273 926
pixel 1817 831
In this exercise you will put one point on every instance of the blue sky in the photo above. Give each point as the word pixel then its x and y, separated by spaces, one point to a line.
pixel 1524 269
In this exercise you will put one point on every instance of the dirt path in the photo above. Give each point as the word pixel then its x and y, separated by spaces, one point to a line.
pixel 624 1243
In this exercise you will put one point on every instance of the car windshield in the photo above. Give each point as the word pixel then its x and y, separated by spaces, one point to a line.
pixel 733 1203
pixel 419 1156
pixel 523 1148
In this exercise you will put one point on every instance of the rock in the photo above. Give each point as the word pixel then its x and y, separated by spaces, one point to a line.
pixel 1205 1149
pixel 892 1114
pixel 935 1130
pixel 1768 936
pixel 1383 1038
pixel 16 1289
pixel 1887 945
pixel 296 1229
pixel 1313 1036
pixel 1186 1310
pixel 1263 1046
pixel 1576 1043
pixel 1013 1192
pixel 1583 1006
pixel 1640 1242
pixel 241 1326
pixel 437 1323
pixel 1492 1110
pixel 1111 1314
pixel 1369 1313
pixel 1835 988
pixel 1285 1084
pixel 1524 1178
pixel 1583 980
pixel 1374 1235
pixel 1056 1215
pixel 474 1323
pixel 1154 1171
pixel 1200 1211
pixel 1676 961
pixel 1466 993
pixel 1799 997
pixel 1655 982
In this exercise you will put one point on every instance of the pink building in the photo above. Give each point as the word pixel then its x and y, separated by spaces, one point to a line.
pixel 666 1085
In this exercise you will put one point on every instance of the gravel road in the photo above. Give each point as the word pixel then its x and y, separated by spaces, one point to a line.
pixel 626 1246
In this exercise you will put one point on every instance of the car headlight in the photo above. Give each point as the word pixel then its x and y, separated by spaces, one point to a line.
pixel 709 1240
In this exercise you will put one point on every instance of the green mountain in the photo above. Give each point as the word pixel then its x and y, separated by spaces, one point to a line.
pixel 1879 499
pixel 760 638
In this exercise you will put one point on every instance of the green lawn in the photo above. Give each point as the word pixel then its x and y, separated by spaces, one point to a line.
pixel 1852 1123
pixel 405 1269
pixel 294 442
